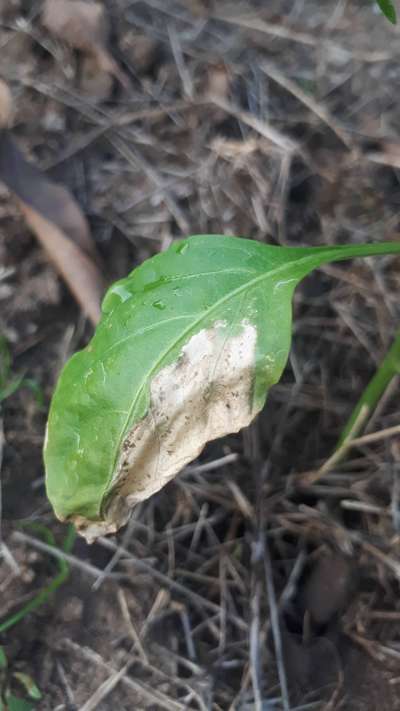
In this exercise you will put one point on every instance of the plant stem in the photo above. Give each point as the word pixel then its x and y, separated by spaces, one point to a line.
pixel 388 369
pixel 317 256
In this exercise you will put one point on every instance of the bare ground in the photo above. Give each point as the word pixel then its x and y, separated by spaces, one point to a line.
pixel 235 587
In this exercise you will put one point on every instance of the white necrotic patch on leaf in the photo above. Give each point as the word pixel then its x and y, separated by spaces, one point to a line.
pixel 205 394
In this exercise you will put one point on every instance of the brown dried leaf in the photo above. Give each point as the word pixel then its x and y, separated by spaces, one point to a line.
pixel 6 105
pixel 218 80
pixel 141 50
pixel 328 586
pixel 83 26
pixel 309 665
pixel 58 223
pixel 95 84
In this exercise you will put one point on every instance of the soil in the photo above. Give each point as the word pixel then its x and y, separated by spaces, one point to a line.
pixel 236 587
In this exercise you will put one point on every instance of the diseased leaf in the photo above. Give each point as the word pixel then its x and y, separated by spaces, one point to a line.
pixel 388 10
pixel 186 351
pixel 59 224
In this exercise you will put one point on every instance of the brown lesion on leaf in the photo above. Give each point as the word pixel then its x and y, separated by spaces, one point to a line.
pixel 205 394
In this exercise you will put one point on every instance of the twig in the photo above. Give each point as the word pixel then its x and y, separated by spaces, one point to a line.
pixel 61 555
pixel 282 142
pixel 375 436
pixel 147 692
pixel 287 33
pixel 179 61
pixel 275 625
pixel 117 555
pixel 132 630
pixel 254 641
pixel 375 552
pixel 157 575
pixel 105 689
pixel 133 157
pixel 65 683
pixel 320 111
pixel 269 28
pixel 211 466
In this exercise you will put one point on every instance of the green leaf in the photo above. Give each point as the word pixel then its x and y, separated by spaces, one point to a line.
pixel 16 704
pixel 8 384
pixel 11 387
pixel 3 659
pixel 5 361
pixel 388 10
pixel 186 351
pixel 29 685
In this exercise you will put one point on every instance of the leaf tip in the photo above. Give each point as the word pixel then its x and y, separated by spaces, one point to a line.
pixel 389 10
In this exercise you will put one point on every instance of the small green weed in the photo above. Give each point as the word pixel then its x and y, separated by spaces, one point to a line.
pixel 10 382
pixel 13 682
pixel 48 590
pixel 388 10
pixel 18 691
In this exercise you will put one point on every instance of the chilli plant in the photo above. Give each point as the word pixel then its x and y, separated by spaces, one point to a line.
pixel 186 351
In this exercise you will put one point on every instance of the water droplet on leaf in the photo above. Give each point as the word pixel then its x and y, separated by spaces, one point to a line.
pixel 115 296
pixel 159 305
